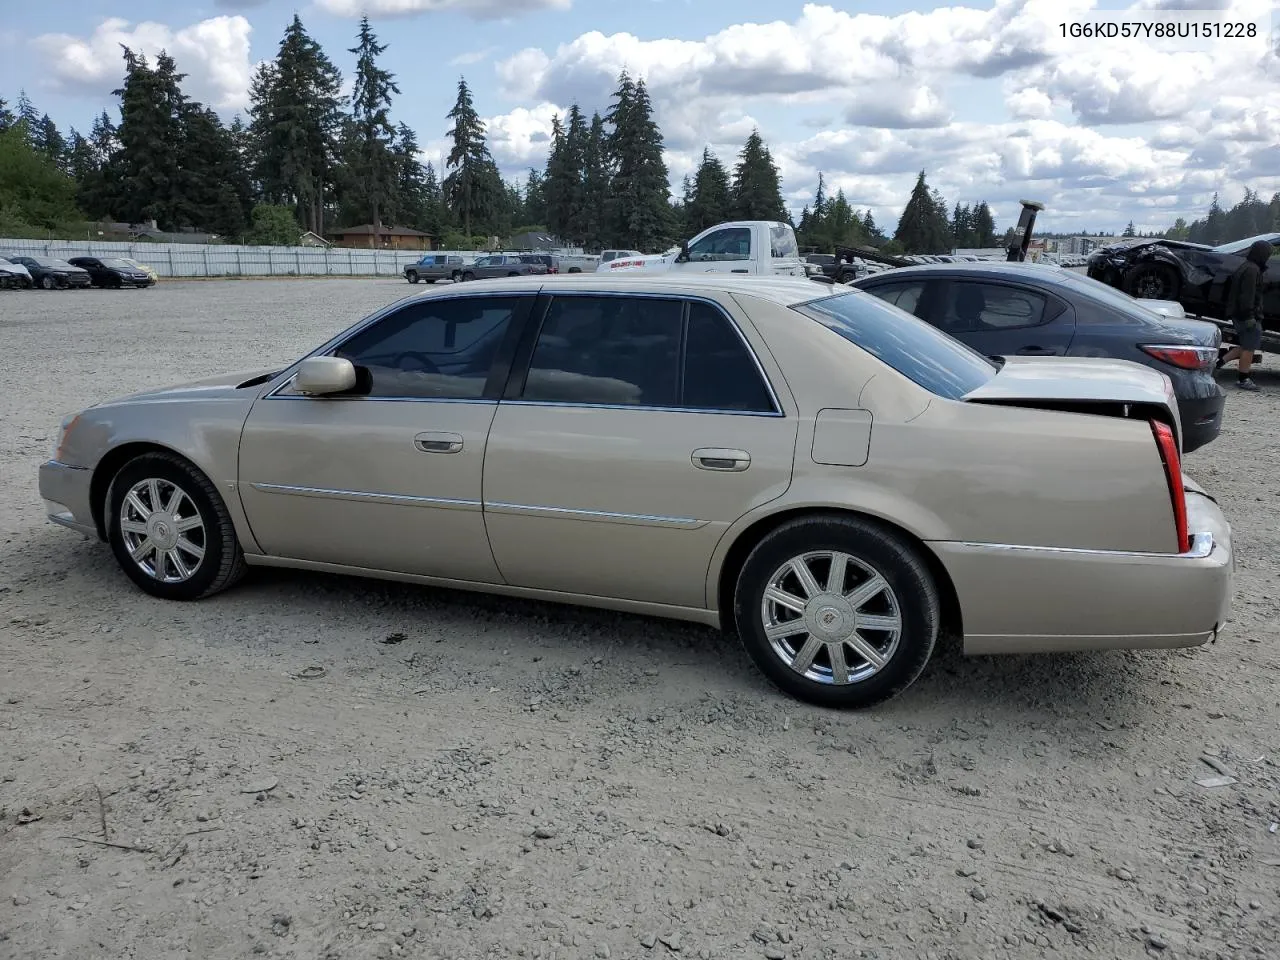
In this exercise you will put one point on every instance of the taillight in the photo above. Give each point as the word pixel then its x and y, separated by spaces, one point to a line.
pixel 1168 446
pixel 1188 358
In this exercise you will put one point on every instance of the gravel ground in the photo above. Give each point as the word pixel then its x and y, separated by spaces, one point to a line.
pixel 476 778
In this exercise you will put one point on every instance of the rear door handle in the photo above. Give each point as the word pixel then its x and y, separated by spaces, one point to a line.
pixel 718 458
pixel 438 442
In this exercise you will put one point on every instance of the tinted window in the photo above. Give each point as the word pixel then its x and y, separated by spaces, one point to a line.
pixel 972 307
pixel 435 348
pixel 732 243
pixel 904 296
pixel 719 371
pixel 937 362
pixel 609 350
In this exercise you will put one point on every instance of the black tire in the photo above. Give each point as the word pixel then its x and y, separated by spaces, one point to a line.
pixel 468 275
pixel 455 276
pixel 222 563
pixel 411 277
pixel 846 276
pixel 912 599
pixel 1152 281
pixel 47 282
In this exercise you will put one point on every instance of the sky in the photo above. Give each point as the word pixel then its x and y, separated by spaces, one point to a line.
pixel 991 100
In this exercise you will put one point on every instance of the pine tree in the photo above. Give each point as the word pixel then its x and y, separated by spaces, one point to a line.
pixel 639 205
pixel 28 116
pixel 709 201
pixel 923 228
pixel 410 183
pixel 757 193
pixel 370 165
pixel 561 181
pixel 7 117
pixel 150 173
pixel 595 184
pixel 984 226
pixel 296 114
pixel 49 142
pixel 535 200
pixel 473 186
pixel 1129 231
pixel 33 191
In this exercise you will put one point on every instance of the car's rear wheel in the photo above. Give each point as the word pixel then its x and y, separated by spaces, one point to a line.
pixel 170 530
pixel 468 275
pixel 411 277
pixel 837 611
pixel 1152 281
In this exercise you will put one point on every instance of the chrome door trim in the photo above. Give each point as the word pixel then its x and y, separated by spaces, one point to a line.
pixel 566 513
pixel 1202 545
pixel 366 496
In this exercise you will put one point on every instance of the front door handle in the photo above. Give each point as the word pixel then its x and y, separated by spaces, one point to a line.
pixel 438 442
pixel 717 458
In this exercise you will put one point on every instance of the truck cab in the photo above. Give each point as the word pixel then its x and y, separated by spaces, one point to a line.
pixel 744 246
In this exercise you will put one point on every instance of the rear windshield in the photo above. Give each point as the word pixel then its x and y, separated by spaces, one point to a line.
pixel 936 361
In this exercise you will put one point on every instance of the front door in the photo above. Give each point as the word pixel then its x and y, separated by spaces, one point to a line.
pixel 727 250
pixel 643 428
pixel 388 477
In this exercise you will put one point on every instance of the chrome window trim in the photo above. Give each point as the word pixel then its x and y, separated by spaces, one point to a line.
pixel 777 411
pixel 1202 545
pixel 567 404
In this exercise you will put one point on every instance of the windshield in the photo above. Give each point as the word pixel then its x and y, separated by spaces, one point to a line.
pixel 52 262
pixel 921 352
pixel 118 264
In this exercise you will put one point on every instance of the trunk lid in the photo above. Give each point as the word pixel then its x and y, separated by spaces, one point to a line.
pixel 1096 385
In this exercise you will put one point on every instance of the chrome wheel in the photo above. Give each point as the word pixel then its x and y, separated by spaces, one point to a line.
pixel 831 617
pixel 162 530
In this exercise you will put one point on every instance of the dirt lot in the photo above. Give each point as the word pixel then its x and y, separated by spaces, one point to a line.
pixel 476 778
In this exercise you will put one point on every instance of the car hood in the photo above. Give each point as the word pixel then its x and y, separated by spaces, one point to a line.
pixel 205 389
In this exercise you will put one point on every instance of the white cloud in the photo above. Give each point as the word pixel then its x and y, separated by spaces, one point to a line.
pixel 479 9
pixel 473 56
pixel 214 54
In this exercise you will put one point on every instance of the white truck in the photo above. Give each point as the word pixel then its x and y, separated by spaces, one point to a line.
pixel 742 246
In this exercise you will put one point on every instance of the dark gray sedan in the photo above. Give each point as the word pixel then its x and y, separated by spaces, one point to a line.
pixel 501 265
pixel 1026 309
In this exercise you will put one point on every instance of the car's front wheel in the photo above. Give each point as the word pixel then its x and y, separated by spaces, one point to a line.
pixel 468 275
pixel 837 611
pixel 1152 281
pixel 47 282
pixel 411 277
pixel 170 530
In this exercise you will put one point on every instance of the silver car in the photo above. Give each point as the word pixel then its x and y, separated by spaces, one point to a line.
pixel 834 479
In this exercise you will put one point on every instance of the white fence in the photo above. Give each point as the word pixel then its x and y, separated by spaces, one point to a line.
pixel 227 260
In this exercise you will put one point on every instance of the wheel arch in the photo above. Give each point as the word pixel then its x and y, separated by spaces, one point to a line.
pixel 111 463
pixel 724 579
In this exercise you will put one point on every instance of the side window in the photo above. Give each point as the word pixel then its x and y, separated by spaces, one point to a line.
pixel 436 348
pixel 719 371
pixel 783 241
pixel 731 243
pixel 904 296
pixel 607 350
pixel 972 307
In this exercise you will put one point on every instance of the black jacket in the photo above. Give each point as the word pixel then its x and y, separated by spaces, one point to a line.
pixel 1244 298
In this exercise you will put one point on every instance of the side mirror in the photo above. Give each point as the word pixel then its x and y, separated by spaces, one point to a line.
pixel 684 252
pixel 321 375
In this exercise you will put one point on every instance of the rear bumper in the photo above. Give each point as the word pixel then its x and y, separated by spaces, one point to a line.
pixel 1025 599
pixel 1201 419
pixel 65 490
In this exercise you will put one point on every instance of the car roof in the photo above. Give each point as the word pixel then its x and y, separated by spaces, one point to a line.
pixel 991 268
pixel 784 291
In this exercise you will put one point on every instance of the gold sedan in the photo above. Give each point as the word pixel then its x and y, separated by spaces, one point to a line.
pixel 825 474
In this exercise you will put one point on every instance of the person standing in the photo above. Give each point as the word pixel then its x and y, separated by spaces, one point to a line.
pixel 1244 310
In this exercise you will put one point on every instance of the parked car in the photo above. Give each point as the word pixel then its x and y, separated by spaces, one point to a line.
pixel 548 260
pixel 501 265
pixel 1194 274
pixel 111 272
pixel 13 275
pixel 50 273
pixel 840 269
pixel 145 268
pixel 694 447
pixel 435 266
pixel 1025 309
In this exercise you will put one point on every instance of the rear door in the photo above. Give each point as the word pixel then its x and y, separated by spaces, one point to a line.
pixel 1001 319
pixel 634 430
